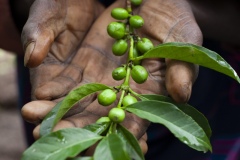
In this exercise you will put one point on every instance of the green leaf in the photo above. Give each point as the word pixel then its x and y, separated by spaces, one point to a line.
pixel 179 123
pixel 193 54
pixel 111 148
pixel 61 144
pixel 82 158
pixel 98 128
pixel 187 109
pixel 132 145
pixel 63 106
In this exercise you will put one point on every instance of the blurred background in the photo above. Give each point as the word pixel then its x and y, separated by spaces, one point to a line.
pixel 12 141
pixel 14 80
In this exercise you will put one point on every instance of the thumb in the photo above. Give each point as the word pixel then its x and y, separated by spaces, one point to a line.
pixel 40 31
pixel 37 44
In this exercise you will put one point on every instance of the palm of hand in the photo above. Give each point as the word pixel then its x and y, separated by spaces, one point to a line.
pixel 53 33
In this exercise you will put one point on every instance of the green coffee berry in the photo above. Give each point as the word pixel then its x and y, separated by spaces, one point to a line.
pixel 139 74
pixel 144 45
pixel 120 47
pixel 107 97
pixel 136 2
pixel 119 13
pixel 117 115
pixel 119 73
pixel 136 21
pixel 116 30
pixel 128 100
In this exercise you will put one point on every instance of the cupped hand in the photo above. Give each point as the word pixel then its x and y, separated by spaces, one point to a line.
pixel 165 21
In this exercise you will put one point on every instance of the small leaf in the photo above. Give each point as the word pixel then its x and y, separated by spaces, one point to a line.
pixel 61 144
pixel 63 106
pixel 187 109
pixel 193 54
pixel 179 123
pixel 111 148
pixel 98 128
pixel 132 145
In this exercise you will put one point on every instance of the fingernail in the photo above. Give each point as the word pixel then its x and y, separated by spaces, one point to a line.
pixel 28 52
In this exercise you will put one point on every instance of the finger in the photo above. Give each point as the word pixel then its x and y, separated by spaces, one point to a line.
pixel 144 137
pixel 72 122
pixel 37 50
pixel 61 84
pixel 40 30
pixel 35 111
pixel 180 77
pixel 36 132
pixel 60 125
pixel 143 143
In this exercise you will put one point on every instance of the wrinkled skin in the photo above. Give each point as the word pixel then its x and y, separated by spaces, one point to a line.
pixel 65 60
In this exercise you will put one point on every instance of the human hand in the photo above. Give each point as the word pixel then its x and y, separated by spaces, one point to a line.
pixel 165 21
pixel 53 32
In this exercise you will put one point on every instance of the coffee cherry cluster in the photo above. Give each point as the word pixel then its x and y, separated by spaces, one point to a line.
pixel 126 41
pixel 122 30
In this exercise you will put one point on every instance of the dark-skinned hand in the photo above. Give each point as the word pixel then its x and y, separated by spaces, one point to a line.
pixel 60 69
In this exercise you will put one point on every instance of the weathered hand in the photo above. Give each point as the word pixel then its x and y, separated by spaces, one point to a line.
pixel 53 33
pixel 172 21
pixel 165 21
